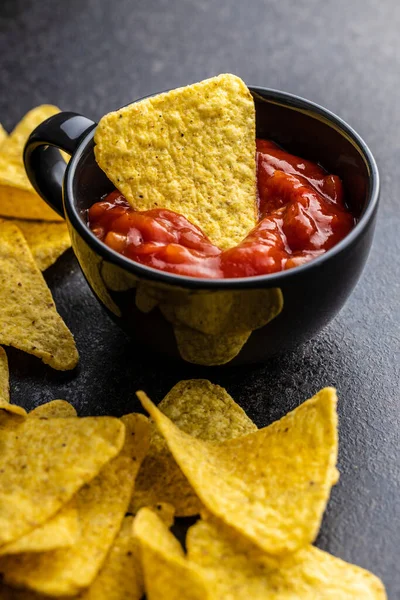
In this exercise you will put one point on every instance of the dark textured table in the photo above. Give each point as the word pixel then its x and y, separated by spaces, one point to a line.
pixel 91 56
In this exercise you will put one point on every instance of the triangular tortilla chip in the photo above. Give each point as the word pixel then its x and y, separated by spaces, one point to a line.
pixel 203 410
pixel 43 462
pixel 102 504
pixel 272 485
pixel 137 436
pixel 28 316
pixel 167 574
pixel 11 409
pixel 190 150
pixel 17 196
pixel 4 377
pixel 121 575
pixel 47 241
pixel 55 408
pixel 237 571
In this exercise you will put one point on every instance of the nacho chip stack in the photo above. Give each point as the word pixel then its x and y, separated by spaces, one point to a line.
pixel 17 196
pixel 66 484
pixel 264 495
pixel 18 200
pixel 76 534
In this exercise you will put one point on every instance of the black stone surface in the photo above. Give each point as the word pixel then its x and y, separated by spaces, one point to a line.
pixel 91 56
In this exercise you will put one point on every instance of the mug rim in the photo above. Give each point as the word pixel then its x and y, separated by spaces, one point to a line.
pixel 291 101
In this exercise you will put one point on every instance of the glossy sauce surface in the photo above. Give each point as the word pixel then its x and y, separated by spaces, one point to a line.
pixel 302 214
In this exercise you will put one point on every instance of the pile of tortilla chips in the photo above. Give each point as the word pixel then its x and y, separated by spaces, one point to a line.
pixel 263 494
pixel 32 237
pixel 86 503
pixel 65 486
pixel 44 230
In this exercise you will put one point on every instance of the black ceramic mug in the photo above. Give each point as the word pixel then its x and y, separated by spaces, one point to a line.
pixel 213 322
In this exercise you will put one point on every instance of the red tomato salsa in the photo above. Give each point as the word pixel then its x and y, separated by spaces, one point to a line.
pixel 302 214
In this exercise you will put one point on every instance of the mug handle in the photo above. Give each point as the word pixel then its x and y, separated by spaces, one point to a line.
pixel 44 164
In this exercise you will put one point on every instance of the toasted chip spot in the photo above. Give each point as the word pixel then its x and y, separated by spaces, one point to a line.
pixel 28 316
pixel 17 196
pixel 271 485
pixel 238 571
pixel 202 409
pixel 167 573
pixel 4 377
pixel 39 469
pixel 191 150
pixel 47 241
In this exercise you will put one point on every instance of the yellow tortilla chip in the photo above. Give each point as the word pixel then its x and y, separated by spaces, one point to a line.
pixel 209 350
pixel 64 572
pixel 14 145
pixel 11 409
pixel 236 571
pixel 28 317
pixel 121 577
pixel 225 312
pixel 167 573
pixel 55 408
pixel 47 241
pixel 4 377
pixel 17 196
pixel 191 150
pixel 206 411
pixel 272 485
pixel 137 436
pixel 43 463
pixel 3 135
pixel 59 532
pixel 211 328
pixel 203 410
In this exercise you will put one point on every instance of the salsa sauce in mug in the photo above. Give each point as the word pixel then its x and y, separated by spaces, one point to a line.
pixel 302 214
